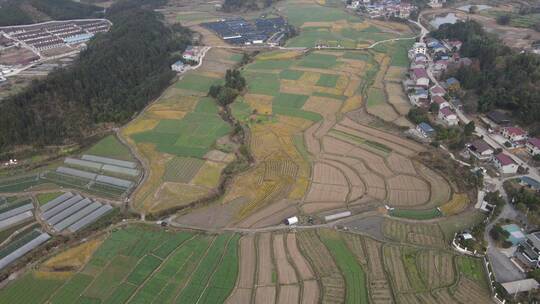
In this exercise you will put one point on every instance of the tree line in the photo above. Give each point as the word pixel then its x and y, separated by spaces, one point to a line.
pixel 246 5
pixel 16 12
pixel 116 76
pixel 502 78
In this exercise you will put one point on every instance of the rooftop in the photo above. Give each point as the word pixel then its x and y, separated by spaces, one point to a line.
pixel 520 286
pixel 420 73
pixel 446 112
pixel 498 117
pixel 531 182
pixel 515 131
pixel 504 159
pixel 426 127
pixel 438 99
pixel 535 142
pixel 480 146
pixel 437 90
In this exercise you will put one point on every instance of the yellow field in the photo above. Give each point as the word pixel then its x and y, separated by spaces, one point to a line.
pixel 457 204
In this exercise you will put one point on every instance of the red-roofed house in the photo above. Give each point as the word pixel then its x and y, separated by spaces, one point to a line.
pixel 514 134
pixel 448 116
pixel 420 77
pixel 437 90
pixel 533 146
pixel 440 101
pixel 505 164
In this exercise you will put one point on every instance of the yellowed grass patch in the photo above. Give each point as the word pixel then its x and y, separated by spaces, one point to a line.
pixel 322 105
pixel 209 174
pixel 261 103
pixel 352 103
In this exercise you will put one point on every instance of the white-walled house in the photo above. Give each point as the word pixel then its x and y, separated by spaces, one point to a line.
pixel 443 103
pixel 533 146
pixel 420 77
pixel 481 149
pixel 448 116
pixel 514 134
pixel 437 90
pixel 505 164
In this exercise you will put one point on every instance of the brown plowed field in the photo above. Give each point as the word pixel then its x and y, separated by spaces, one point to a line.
pixel 325 106
pixel 373 181
pixel 373 252
pixel 298 259
pixel 440 189
pixel 288 294
pixel 437 268
pixel 397 98
pixel 312 208
pixel 335 146
pixel 400 164
pixel 468 291
pixel 265 295
pixel 265 266
pixel 407 197
pixel 409 144
pixel 356 164
pixel 327 174
pixel 350 174
pixel 265 213
pixel 377 193
pixel 286 273
pixel 334 290
pixel 312 144
pixel 246 275
pixel 396 269
pixel 444 297
pixel 383 111
pixel 239 295
pixel 419 234
pixel 310 293
pixel 382 138
pixel 276 218
pixel 356 193
pixel 380 292
pixel 326 193
pixel 325 127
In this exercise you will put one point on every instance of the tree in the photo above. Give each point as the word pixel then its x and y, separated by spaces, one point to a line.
pixel 469 129
pixel 434 108
pixel 504 19
pixel 473 9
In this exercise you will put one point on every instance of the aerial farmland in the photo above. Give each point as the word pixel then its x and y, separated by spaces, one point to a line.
pixel 169 209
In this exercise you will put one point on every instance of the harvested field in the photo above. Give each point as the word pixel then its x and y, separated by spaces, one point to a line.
pixel 437 268
pixel 313 208
pixel 265 295
pixel 467 291
pixel 397 98
pixel 288 294
pixel 440 190
pixel 381 134
pixel 428 235
pixel 326 174
pixel 285 271
pixel 265 267
pixel 407 191
pixel 400 164
pixel 248 264
pixel 239 295
pixel 352 177
pixel 182 169
pixel 304 270
pixel 396 268
pixel 443 296
pixel 383 111
pixel 326 193
pixel 267 213
pixel 310 292
pixel 322 105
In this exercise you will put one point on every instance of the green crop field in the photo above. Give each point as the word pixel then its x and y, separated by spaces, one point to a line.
pixel 110 147
pixel 270 64
pixel 289 100
pixel 357 55
pixel 241 110
pixel 44 198
pixel 398 52
pixel 318 61
pixel 182 169
pixel 328 80
pixel 355 277
pixel 191 136
pixel 144 265
pixel 472 268
pixel 409 260
pixel 262 83
pixel 194 82
pixel 291 74
pixel 416 214
pixel 375 97
pixel 299 14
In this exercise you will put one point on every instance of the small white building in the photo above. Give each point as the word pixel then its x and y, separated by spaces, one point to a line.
pixel 514 134
pixel 178 66
pixel 533 146
pixel 420 77
pixel 291 221
pixel 418 48
pixel 447 116
pixel 505 164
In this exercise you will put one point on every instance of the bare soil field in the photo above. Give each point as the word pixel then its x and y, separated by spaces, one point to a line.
pixel 288 294
pixel 396 269
pixel 285 271
pixel 397 98
pixel 310 293
pixel 265 266
pixel 437 268
pixel 300 262
pixel 265 295
pixel 326 193
pixel 247 267
pixel 429 235
pixel 326 174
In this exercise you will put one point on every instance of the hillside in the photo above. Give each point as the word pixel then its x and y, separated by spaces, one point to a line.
pixel 116 76
pixel 14 12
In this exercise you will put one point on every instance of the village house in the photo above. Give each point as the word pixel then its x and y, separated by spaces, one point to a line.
pixel 447 116
pixel 440 101
pixel 515 135
pixel 499 118
pixel 451 83
pixel 420 77
pixel 420 61
pixel 419 48
pixel 528 251
pixel 481 150
pixel 425 130
pixel 437 90
pixel 419 97
pixel 178 66
pixel 505 164
pixel 533 146
pixel 191 54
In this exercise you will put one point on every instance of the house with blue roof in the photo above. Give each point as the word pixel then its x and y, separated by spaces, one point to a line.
pixel 425 130
pixel 529 182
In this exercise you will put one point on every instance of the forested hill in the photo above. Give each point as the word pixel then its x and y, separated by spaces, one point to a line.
pixel 116 76
pixel 504 78
pixel 16 12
